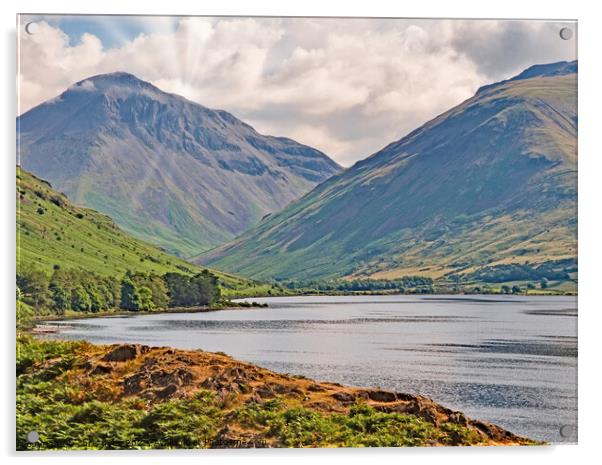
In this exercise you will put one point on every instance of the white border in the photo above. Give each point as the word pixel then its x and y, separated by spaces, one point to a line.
pixel 590 172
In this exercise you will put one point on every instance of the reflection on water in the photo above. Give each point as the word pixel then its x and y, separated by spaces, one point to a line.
pixel 509 360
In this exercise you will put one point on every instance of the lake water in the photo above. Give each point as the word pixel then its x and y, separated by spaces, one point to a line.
pixel 510 360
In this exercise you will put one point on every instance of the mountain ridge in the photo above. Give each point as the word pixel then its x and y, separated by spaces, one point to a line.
pixel 490 181
pixel 559 68
pixel 168 170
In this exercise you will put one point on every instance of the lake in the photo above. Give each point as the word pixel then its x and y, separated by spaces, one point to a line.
pixel 510 360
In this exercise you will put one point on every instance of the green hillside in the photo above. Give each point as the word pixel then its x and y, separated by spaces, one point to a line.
pixel 489 185
pixel 52 233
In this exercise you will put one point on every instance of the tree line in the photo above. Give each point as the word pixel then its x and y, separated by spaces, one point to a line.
pixel 357 285
pixel 84 291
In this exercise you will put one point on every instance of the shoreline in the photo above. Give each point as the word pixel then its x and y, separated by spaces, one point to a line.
pixel 232 305
pixel 161 375
pixel 81 316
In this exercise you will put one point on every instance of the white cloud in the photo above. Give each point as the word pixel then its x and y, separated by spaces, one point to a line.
pixel 347 87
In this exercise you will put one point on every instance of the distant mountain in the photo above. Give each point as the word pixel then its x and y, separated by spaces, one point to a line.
pixel 167 170
pixel 489 183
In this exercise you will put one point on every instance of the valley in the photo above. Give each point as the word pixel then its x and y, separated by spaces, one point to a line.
pixel 154 234
pixel 490 184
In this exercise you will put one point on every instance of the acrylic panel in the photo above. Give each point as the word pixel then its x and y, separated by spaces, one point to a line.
pixel 249 232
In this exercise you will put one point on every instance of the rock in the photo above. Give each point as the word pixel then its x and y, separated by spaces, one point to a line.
pixel 159 381
pixel 243 387
pixel 150 362
pixel 297 391
pixel 184 359
pixel 324 406
pixel 123 353
pixel 235 372
pixel 101 369
pixel 315 388
pixel 133 384
pixel 265 392
pixel 280 388
pixel 405 397
pixel 382 396
pixel 494 432
pixel 210 383
pixel 223 394
pixel 425 410
pixel 179 377
pixel 167 392
pixel 458 418
pixel 254 399
pixel 345 397
pixel 87 365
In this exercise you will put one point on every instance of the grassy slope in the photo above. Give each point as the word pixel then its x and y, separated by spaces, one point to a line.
pixel 165 398
pixel 492 181
pixel 76 237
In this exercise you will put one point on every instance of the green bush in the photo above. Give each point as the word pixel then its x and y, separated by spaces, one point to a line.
pixel 362 427
pixel 80 300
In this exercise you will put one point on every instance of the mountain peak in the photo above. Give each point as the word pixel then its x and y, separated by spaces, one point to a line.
pixel 169 170
pixel 559 68
pixel 111 81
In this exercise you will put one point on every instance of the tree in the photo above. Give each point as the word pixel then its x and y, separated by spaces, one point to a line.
pixel 33 284
pixel 80 300
pixel 543 283
pixel 178 286
pixel 185 291
pixel 24 314
pixel 516 290
pixel 128 294
pixel 505 289
pixel 205 288
pixel 110 292
pixel 158 289
pixel 61 298
pixel 97 302
pixel 144 299
pixel 135 297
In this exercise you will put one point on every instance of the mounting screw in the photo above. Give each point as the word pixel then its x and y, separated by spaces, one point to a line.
pixel 566 33
pixel 32 28
pixel 567 431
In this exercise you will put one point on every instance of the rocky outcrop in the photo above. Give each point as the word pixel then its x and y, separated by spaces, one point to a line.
pixel 122 353
pixel 159 374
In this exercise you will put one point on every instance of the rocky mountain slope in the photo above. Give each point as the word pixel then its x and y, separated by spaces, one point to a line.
pixel 167 170
pixel 491 182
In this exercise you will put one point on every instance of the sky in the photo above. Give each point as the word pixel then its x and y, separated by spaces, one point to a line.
pixel 346 86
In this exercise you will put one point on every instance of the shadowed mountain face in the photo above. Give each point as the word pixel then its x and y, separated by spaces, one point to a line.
pixel 169 171
pixel 492 181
